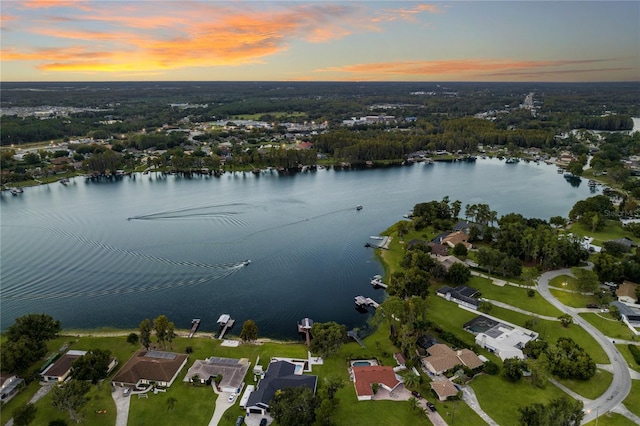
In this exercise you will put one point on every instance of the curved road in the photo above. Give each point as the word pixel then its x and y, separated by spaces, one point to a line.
pixel 621 384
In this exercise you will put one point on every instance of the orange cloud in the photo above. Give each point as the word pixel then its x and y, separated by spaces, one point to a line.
pixel 427 68
pixel 406 14
pixel 47 4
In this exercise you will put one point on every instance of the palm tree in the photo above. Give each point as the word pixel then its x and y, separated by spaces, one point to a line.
pixel 413 403
pixel 411 379
pixel 171 402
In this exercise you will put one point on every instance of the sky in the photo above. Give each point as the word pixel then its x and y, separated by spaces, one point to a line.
pixel 322 40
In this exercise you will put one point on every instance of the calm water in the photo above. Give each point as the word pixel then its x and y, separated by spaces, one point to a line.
pixel 70 251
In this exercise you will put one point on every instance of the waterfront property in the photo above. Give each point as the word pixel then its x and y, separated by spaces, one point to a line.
pixel 60 370
pixel 231 370
pixel 10 385
pixel 365 376
pixel 279 375
pixel 146 367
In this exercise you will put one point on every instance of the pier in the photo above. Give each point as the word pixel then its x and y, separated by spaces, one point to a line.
pixel 376 282
pixel 305 327
pixel 195 323
pixel 225 322
pixel 354 335
pixel 363 302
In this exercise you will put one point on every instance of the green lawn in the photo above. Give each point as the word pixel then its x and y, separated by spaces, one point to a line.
pixel 611 419
pixel 611 231
pixel 632 402
pixel 514 296
pixel 609 326
pixel 591 388
pixel 626 353
pixel 501 399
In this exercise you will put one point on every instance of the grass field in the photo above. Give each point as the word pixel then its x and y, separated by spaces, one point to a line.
pixel 592 388
pixel 609 326
pixel 632 402
pixel 611 419
pixel 626 353
pixel 611 231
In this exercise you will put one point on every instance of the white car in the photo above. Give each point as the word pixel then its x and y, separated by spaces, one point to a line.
pixel 232 397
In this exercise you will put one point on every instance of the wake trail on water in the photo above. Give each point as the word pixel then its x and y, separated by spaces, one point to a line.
pixel 95 293
pixel 201 212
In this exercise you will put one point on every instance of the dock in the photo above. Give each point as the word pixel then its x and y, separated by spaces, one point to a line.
pixel 225 322
pixel 304 327
pixel 376 282
pixel 378 242
pixel 363 302
pixel 195 323
pixel 354 335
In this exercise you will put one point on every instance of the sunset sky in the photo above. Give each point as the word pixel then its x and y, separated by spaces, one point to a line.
pixel 112 40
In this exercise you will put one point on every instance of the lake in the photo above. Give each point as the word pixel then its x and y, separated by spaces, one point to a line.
pixel 113 253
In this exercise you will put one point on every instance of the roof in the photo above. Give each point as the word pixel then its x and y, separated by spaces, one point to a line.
pixel 150 365
pixel 627 289
pixel 457 237
pixel 365 376
pixel 279 375
pixel 454 294
pixel 627 242
pixel 231 370
pixel 442 358
pixel 465 226
pixel 444 388
pixel 63 364
pixel 469 358
pixel 439 249
pixel 447 261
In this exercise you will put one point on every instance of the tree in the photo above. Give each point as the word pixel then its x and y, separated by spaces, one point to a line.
pixel 132 338
pixel 93 366
pixel 171 334
pixel 171 402
pixel 512 369
pixel 333 384
pixel 23 416
pixel 411 379
pixel 71 397
pixel 145 332
pixel 460 250
pixel 327 338
pixel 568 360
pixel 249 331
pixel 413 403
pixel 294 406
pixel 566 320
pixel 561 411
pixel 161 327
pixel 459 274
pixel 587 281
pixel 36 327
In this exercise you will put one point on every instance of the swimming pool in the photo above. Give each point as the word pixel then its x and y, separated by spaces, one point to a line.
pixel 361 363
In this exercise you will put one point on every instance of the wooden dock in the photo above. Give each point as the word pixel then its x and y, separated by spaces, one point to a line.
pixel 304 327
pixel 225 322
pixel 195 323
pixel 362 301
pixel 376 282
pixel 354 335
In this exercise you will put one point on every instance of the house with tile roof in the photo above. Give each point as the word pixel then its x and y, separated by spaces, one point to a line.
pixel 444 389
pixel 364 377
pixel 146 367
pixel 60 370
pixel 442 358
pixel 279 375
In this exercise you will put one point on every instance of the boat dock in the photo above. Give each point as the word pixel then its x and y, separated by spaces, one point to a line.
pixel 304 327
pixel 195 323
pixel 363 302
pixel 225 322
pixel 378 242
pixel 354 335
pixel 376 281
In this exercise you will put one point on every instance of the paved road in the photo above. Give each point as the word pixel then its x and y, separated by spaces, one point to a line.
pixel 621 384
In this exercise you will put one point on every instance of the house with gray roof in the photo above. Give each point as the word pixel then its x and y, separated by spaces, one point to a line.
pixel 279 375
pixel 231 370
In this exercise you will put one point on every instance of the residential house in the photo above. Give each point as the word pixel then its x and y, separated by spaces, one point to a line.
pixel 60 370
pixel 626 292
pixel 627 243
pixel 630 313
pixel 448 261
pixel 231 370
pixel 150 367
pixel 505 341
pixel 444 389
pixel 279 375
pixel 442 358
pixel 364 377
pixel 457 237
pixel 438 249
pixel 462 295
pixel 10 385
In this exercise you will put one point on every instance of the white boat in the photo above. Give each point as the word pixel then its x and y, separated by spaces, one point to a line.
pixel 15 191
pixel 358 207
pixel 246 262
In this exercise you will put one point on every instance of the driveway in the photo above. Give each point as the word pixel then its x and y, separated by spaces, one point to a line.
pixel 403 394
pixel 222 405
pixel 122 406
pixel 621 384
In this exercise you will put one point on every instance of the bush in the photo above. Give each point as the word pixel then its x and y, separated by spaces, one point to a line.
pixel 635 352
pixel 491 368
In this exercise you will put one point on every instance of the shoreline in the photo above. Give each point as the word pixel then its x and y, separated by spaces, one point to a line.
pixel 182 333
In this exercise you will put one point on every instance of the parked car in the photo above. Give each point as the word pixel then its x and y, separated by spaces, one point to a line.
pixel 231 397
pixel 263 422
pixel 431 406
pixel 416 394
pixel 240 420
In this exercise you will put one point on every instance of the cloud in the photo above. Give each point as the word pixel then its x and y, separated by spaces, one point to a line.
pixel 462 66
pixel 406 14
pixel 48 4
pixel 198 34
